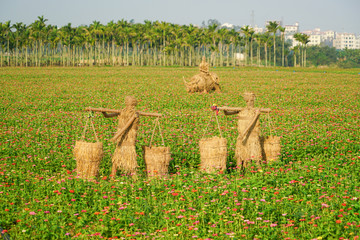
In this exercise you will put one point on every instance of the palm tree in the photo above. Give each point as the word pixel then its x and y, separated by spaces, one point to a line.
pixel 246 31
pixel 251 36
pixel 282 30
pixel 96 30
pixel 6 33
pixel 211 32
pixel 297 37
pixel 258 41
pixel 54 39
pixel 20 28
pixel 295 50
pixel 304 40
pixel 272 27
pixel 265 38
pixel 221 35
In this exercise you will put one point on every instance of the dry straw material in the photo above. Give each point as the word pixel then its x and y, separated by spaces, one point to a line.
pixel 157 159
pixel 272 148
pixel 213 154
pixel 88 155
pixel 204 81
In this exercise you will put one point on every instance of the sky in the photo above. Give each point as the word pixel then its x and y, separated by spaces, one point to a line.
pixel 337 15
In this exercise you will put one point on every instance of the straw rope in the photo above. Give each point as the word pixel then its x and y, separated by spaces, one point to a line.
pixel 92 126
pixel 218 125
pixel 157 123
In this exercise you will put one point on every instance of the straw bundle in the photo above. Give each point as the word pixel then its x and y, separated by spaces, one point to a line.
pixel 271 146
pixel 157 160
pixel 88 157
pixel 124 158
pixel 203 82
pixel 248 151
pixel 213 153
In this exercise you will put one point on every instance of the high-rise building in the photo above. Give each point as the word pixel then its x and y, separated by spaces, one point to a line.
pixel 346 40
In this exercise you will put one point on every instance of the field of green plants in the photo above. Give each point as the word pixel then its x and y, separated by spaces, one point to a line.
pixel 312 192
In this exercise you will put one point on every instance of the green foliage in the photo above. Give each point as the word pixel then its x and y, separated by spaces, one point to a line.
pixel 321 56
pixel 349 58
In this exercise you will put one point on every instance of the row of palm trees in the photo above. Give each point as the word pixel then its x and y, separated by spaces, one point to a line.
pixel 128 43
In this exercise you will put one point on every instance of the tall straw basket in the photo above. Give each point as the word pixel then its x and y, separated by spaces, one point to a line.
pixel 271 146
pixel 213 151
pixel 213 154
pixel 88 155
pixel 157 159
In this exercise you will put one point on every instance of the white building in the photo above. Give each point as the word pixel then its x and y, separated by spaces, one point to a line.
pixel 258 29
pixel 315 40
pixel 346 40
pixel 291 29
pixel 317 37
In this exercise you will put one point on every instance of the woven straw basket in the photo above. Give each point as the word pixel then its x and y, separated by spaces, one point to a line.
pixel 88 155
pixel 157 160
pixel 271 146
pixel 213 154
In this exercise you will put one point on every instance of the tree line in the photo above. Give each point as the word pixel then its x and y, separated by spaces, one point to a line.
pixel 150 43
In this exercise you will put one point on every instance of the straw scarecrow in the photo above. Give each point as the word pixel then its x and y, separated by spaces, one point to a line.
pixel 248 145
pixel 124 157
pixel 204 81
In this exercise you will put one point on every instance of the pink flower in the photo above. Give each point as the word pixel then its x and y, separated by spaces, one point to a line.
pixel 104 197
pixel 32 213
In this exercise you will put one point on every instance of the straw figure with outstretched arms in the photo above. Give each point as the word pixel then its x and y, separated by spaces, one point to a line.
pixel 248 145
pixel 124 157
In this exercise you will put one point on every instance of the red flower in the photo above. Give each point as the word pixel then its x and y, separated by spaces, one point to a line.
pixel 338 221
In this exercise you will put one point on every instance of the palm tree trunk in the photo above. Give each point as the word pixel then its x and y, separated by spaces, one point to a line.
pixel 246 52
pixel 26 56
pixel 251 51
pixel 265 47
pixel 1 56
pixel 274 51
pixel 283 51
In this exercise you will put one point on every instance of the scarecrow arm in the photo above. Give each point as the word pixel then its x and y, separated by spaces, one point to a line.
pixel 108 113
pixel 265 110
pixel 230 110
pixel 149 114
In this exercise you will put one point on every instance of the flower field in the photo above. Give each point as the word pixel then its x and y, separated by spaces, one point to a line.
pixel 311 193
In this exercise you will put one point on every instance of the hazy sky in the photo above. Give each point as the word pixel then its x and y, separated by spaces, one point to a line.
pixel 337 15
